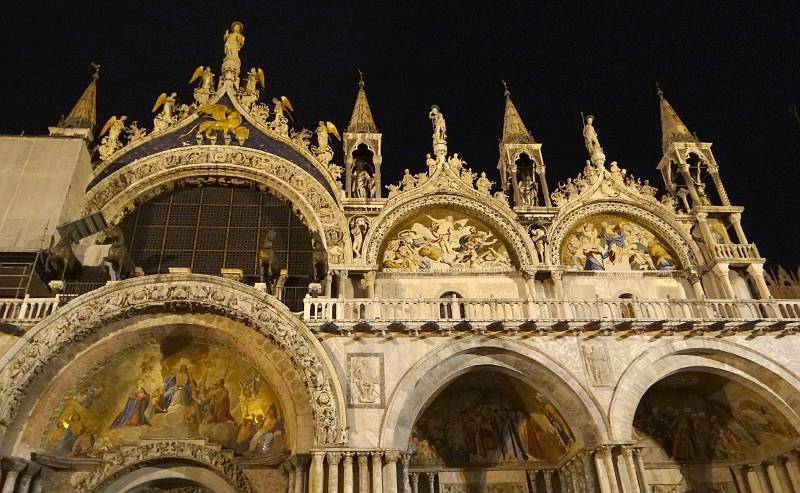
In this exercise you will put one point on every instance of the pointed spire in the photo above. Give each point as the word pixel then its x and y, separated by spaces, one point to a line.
pixel 672 128
pixel 362 120
pixel 84 113
pixel 514 130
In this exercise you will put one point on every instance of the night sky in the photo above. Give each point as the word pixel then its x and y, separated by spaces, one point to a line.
pixel 731 70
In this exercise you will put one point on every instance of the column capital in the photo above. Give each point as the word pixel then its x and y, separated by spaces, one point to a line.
pixel 363 458
pixel 333 457
pixel 14 464
pixel 721 269
pixel 735 217
pixel 391 456
pixel 547 472
pixel 701 217
pixel 556 274
pixel 347 457
pixel 756 270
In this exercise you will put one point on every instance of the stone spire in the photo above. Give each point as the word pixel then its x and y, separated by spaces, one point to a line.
pixel 514 130
pixel 362 121
pixel 672 128
pixel 83 116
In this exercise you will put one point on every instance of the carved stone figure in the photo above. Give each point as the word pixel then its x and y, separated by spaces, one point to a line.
pixel 430 162
pixel 234 40
pixel 483 184
pixel 439 132
pixel 166 117
pixel 408 181
pixel 363 186
pixel 590 137
pixel 60 261
pixel 223 120
pixel 597 364
pixel 358 230
pixel 119 257
pixel 135 133
pixel 528 192
pixel 365 372
pixel 538 236
pixel 266 254
pixel 111 143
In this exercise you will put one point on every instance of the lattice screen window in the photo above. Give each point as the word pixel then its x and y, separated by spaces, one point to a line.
pixel 213 227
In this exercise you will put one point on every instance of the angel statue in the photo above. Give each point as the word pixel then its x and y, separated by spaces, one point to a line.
pixel 250 94
pixel 111 143
pixel 203 92
pixel 282 109
pixel 323 150
pixel 166 117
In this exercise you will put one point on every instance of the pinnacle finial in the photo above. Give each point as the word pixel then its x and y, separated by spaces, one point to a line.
pixel 659 91
pixel 672 127
pixel 96 67
pixel 506 92
pixel 514 129
pixel 360 78
pixel 361 120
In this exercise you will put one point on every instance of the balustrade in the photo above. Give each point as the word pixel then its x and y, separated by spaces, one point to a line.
pixel 736 251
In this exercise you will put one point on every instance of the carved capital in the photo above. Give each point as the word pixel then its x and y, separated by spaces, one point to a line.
pixel 347 458
pixel 363 459
pixel 334 457
pixel 391 456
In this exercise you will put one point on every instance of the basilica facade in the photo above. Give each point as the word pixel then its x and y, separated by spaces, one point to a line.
pixel 214 304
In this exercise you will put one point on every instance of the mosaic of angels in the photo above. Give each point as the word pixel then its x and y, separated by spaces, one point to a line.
pixel 615 243
pixel 481 419
pixel 169 390
pixel 443 240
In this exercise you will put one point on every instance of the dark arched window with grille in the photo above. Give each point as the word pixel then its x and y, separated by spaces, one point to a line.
pixel 213 227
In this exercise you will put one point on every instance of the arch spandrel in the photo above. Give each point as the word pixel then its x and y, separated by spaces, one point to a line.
pixel 501 223
pixel 79 320
pixel 117 194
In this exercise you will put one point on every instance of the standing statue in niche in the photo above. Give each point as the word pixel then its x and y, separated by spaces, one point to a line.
pixel 363 186
pixel 358 230
pixel 528 192
pixel 266 256
pixel 538 236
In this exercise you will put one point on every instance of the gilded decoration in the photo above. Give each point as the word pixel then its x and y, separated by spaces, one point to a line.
pixel 116 194
pixel 178 388
pixel 489 419
pixel 196 293
pixel 610 242
pixel 444 240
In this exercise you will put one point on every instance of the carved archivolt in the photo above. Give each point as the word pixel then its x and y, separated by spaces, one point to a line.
pixel 182 293
pixel 114 196
pixel 506 226
pixel 668 232
pixel 129 459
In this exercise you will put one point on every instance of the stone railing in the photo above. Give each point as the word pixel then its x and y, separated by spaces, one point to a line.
pixel 519 313
pixel 26 311
pixel 733 252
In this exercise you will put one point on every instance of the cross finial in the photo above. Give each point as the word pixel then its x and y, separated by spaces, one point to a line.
pixel 659 91
pixel 360 77
pixel 96 67
pixel 506 92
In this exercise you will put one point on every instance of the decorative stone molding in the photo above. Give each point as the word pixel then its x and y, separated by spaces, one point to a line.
pixel 117 194
pixel 128 459
pixel 175 293
pixel 503 221
pixel 668 231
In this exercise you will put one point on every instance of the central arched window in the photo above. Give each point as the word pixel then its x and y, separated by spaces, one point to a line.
pixel 446 307
pixel 210 228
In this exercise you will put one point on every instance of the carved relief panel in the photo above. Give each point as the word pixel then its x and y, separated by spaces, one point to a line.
pixel 365 380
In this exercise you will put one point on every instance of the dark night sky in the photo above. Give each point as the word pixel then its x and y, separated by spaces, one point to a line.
pixel 730 69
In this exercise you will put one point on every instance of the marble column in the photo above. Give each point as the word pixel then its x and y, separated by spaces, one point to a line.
pixel 377 472
pixel 530 283
pixel 722 272
pixel 38 483
pixel 405 459
pixel 793 471
pixel 738 478
pixel 299 475
pixel 12 468
pixel 630 467
pixel 723 195
pixel 414 478
pixel 347 472
pixel 697 286
pixel 776 481
pixel 565 480
pixel 558 285
pixel 753 481
pixel 638 457
pixel 602 474
pixel 363 472
pixel 736 221
pixel 316 477
pixel 574 476
pixel 390 471
pixel 326 288
pixel 756 272
pixel 588 473
pixel 532 480
pixel 333 470
pixel 28 474
pixel 341 277
pixel 289 478
pixel 608 461
pixel 687 178
pixel 431 481
pixel 548 481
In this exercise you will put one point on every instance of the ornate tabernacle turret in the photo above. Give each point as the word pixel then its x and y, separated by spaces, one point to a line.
pixel 362 150
pixel 688 168
pixel 521 166
pixel 83 117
